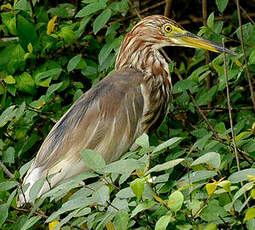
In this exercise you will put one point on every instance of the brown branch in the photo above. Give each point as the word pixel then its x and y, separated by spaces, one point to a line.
pixel 6 170
pixel 168 7
pixel 245 57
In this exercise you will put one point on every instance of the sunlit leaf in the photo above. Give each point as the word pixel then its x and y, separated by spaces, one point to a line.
pixel 175 201
pixel 51 25
pixel 137 187
pixel 163 222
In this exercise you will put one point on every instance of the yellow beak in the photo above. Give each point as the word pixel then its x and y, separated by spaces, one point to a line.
pixel 191 40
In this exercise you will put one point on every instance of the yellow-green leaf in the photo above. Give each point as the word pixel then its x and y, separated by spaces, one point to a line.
pixel 51 25
pixel 175 201
pixel 225 185
pixel 53 224
pixel 30 48
pixel 253 193
pixel 137 187
pixel 9 79
pixel 250 214
pixel 210 188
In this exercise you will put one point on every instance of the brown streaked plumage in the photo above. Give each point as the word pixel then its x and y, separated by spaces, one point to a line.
pixel 126 103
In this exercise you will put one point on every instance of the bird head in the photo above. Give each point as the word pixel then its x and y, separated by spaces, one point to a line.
pixel 161 31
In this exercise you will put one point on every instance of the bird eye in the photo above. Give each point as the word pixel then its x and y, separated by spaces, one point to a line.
pixel 168 28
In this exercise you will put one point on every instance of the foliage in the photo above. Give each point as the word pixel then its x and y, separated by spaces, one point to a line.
pixel 183 178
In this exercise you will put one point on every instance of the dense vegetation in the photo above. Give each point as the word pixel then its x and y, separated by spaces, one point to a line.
pixel 194 172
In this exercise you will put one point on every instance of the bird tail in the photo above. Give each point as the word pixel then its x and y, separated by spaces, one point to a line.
pixel 33 175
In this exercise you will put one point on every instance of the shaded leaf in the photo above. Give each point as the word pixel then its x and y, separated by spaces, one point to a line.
pixel 101 20
pixel 165 166
pixel 211 158
pixel 7 185
pixel 162 222
pixel 175 201
pixel 221 4
pixel 241 175
pixel 166 144
pixel 143 206
pixel 92 159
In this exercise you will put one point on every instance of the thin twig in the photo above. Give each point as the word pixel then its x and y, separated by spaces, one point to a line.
pixel 244 53
pixel 192 98
pixel 6 170
pixel 229 108
pixel 246 14
pixel 168 7
pixel 207 55
pixel 230 114
pixel 198 108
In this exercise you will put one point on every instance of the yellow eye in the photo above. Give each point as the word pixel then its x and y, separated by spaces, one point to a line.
pixel 168 28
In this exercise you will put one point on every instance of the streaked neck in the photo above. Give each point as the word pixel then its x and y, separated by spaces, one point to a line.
pixel 143 56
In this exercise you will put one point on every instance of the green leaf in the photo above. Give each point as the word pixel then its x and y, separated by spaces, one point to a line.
pixel 23 5
pixel 105 52
pixel 101 20
pixel 25 168
pixel 183 85
pixel 68 34
pixel 70 205
pixel 92 8
pixel 12 58
pixel 53 88
pixel 252 57
pixel 7 115
pixel 8 156
pixel 211 158
pixel 3 212
pixel 242 175
pixel 250 214
pixel 221 4
pixel 213 212
pixel 27 32
pixel 42 76
pixel 166 144
pixel 30 222
pixel 143 141
pixel 36 188
pixel 7 185
pixel 175 201
pixel 92 159
pixel 210 20
pixel 147 204
pixel 101 195
pixel 137 187
pixel 121 166
pixel 198 176
pixel 162 222
pixel 165 166
pixel 121 220
pixel 25 83
pixel 9 79
pixel 72 64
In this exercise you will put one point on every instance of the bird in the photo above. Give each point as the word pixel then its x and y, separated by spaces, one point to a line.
pixel 108 118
